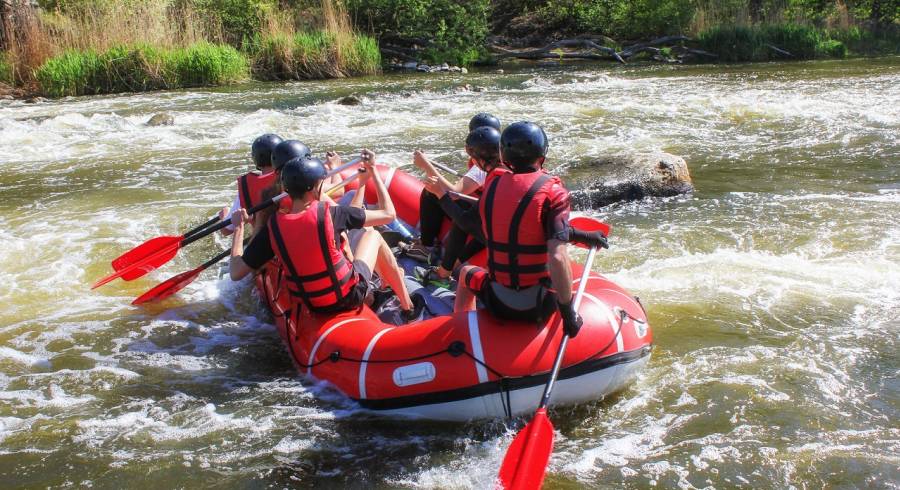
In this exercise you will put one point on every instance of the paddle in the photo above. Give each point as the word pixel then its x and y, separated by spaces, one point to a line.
pixel 177 283
pixel 445 168
pixel 526 459
pixel 155 252
pixel 155 245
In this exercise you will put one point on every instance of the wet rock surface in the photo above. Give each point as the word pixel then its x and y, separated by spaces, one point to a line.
pixel 350 100
pixel 627 177
pixel 161 119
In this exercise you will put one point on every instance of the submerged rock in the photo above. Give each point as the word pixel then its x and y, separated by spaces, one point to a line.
pixel 35 100
pixel 349 100
pixel 161 119
pixel 628 177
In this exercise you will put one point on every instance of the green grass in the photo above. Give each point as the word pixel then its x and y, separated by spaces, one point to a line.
pixel 140 68
pixel 755 43
pixel 6 70
pixel 317 54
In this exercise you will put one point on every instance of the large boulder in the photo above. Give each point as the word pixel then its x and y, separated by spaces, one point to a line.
pixel 161 119
pixel 626 177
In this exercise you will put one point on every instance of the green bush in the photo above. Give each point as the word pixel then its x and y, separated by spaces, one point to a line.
pixel 832 48
pixel 241 19
pixel 140 68
pixel 757 43
pixel 616 18
pixel 6 70
pixel 317 54
pixel 455 30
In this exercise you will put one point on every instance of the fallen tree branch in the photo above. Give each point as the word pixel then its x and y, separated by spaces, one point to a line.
pixel 779 51
pixel 638 48
pixel 546 51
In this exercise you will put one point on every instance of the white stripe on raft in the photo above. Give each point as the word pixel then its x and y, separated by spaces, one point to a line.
pixel 475 338
pixel 365 362
pixel 389 178
pixel 611 318
pixel 312 353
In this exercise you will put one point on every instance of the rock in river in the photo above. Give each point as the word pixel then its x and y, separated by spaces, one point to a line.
pixel 161 119
pixel 349 100
pixel 625 177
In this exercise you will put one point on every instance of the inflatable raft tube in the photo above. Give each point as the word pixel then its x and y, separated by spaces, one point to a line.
pixel 467 365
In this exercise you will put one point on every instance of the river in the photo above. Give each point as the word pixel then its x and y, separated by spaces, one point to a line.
pixel 773 290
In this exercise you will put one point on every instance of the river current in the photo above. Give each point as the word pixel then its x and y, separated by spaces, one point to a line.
pixel 773 290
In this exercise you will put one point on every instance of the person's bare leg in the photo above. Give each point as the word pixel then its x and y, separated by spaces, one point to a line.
pixel 373 250
pixel 465 298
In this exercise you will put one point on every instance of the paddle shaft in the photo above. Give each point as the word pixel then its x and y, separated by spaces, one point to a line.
pixel 545 398
pixel 445 168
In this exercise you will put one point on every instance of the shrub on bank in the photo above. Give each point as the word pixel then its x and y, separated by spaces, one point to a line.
pixel 453 31
pixel 6 70
pixel 310 55
pixel 759 43
pixel 140 68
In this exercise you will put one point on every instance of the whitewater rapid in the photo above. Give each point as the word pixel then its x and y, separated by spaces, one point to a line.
pixel 773 290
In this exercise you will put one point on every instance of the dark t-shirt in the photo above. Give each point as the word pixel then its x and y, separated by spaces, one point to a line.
pixel 259 250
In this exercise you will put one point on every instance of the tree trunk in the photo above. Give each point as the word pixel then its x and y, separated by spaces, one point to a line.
pixel 6 24
pixel 755 8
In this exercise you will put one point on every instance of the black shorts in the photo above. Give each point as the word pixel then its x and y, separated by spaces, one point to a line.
pixel 534 304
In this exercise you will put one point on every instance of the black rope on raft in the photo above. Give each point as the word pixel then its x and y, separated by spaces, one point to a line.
pixel 622 316
pixel 455 349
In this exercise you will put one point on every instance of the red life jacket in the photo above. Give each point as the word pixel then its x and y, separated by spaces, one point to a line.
pixel 511 219
pixel 315 268
pixel 251 187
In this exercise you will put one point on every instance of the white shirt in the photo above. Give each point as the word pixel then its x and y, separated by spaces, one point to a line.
pixel 476 175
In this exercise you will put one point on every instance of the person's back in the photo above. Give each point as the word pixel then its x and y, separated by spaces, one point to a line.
pixel 525 219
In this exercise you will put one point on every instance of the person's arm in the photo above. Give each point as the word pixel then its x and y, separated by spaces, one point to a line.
pixel 226 212
pixel 238 269
pixel 359 199
pixel 469 220
pixel 560 266
pixel 385 212
pixel 425 165
pixel 333 161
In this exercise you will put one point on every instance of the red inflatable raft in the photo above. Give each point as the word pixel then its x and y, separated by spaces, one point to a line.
pixel 466 365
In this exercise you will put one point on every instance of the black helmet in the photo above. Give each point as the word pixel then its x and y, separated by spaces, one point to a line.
pixel 287 150
pixel 484 119
pixel 302 174
pixel 262 149
pixel 522 143
pixel 484 143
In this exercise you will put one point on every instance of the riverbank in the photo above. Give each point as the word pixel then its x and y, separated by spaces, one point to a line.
pixel 79 48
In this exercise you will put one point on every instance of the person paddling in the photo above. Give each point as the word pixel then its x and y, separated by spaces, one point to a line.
pixel 483 147
pixel 525 223
pixel 431 216
pixel 307 241
pixel 251 185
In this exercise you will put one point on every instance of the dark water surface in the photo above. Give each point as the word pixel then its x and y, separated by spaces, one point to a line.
pixel 773 291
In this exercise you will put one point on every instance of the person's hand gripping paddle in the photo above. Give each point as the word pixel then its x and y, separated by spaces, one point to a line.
pixel 525 463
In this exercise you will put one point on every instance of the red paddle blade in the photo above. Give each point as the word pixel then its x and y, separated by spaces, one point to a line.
pixel 169 287
pixel 526 459
pixel 142 266
pixel 141 252
pixel 589 224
